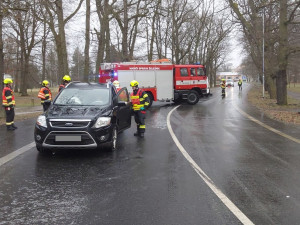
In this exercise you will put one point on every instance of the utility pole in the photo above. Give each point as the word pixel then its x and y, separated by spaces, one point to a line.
pixel 263 53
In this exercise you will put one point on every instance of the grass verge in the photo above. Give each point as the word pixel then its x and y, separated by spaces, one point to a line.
pixel 288 114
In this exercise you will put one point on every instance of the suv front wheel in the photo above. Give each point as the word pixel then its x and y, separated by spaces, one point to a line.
pixel 112 145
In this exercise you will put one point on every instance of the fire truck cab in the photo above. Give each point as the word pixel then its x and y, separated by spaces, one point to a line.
pixel 162 81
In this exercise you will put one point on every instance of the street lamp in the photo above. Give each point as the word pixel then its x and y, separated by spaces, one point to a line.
pixel 263 53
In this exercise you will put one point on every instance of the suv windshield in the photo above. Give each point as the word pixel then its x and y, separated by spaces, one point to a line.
pixel 74 96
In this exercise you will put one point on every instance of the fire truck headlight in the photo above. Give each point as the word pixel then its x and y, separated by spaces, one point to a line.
pixel 115 74
pixel 41 121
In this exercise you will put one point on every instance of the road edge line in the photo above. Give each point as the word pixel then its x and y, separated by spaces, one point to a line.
pixel 227 202
pixel 266 126
pixel 16 153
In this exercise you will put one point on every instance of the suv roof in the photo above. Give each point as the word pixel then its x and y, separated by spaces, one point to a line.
pixel 77 84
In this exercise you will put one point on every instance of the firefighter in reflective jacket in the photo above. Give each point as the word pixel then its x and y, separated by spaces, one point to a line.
pixel 223 86
pixel 45 95
pixel 139 100
pixel 8 102
pixel 240 84
pixel 66 80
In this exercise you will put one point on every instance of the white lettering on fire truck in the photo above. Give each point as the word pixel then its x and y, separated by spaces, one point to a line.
pixel 144 68
pixel 189 82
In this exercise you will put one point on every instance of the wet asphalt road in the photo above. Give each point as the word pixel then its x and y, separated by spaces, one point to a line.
pixel 149 181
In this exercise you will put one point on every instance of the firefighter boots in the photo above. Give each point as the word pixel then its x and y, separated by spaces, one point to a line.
pixel 10 127
pixel 138 134
pixel 14 126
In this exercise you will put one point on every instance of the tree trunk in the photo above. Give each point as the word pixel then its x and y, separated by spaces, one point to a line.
pixel 2 112
pixel 106 29
pixel 270 86
pixel 63 56
pixel 44 46
pixel 18 73
pixel 281 81
pixel 125 33
pixel 59 53
pixel 87 42
pixel 24 62
pixel 24 75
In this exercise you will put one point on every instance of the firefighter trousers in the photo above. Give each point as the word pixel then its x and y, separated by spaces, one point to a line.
pixel 139 117
pixel 10 116
pixel 46 105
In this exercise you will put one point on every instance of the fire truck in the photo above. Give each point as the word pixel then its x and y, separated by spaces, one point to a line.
pixel 161 80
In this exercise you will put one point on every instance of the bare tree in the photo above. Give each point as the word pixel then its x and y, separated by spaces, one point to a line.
pixel 26 27
pixel 277 41
pixel 103 9
pixel 87 41
pixel 128 14
pixel 53 14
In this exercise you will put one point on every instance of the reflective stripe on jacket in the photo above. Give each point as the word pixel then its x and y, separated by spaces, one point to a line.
pixel 8 98
pixel 139 100
pixel 45 94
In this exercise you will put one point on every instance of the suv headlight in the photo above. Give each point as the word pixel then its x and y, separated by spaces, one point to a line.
pixel 41 121
pixel 102 122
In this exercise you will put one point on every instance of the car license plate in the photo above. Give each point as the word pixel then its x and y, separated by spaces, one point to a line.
pixel 67 138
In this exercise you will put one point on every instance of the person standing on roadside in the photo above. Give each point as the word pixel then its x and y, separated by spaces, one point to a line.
pixel 240 83
pixel 66 80
pixel 223 87
pixel 45 95
pixel 8 102
pixel 139 100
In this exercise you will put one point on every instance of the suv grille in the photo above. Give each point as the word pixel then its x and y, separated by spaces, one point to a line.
pixel 69 123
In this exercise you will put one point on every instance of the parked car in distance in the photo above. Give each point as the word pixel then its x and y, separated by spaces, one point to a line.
pixel 229 82
pixel 84 116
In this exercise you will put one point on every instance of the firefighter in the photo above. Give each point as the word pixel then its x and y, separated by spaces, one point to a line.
pixel 240 84
pixel 45 95
pixel 66 80
pixel 116 84
pixel 223 86
pixel 8 102
pixel 139 100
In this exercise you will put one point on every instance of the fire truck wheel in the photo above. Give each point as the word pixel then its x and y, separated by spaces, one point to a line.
pixel 193 97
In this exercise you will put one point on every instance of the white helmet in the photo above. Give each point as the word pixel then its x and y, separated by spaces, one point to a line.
pixel 116 84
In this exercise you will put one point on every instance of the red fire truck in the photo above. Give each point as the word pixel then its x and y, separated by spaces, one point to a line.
pixel 162 81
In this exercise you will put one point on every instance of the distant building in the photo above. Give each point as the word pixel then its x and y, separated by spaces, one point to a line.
pixel 229 75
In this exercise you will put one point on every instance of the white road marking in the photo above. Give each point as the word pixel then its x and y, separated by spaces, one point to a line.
pixel 16 153
pixel 266 126
pixel 229 204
